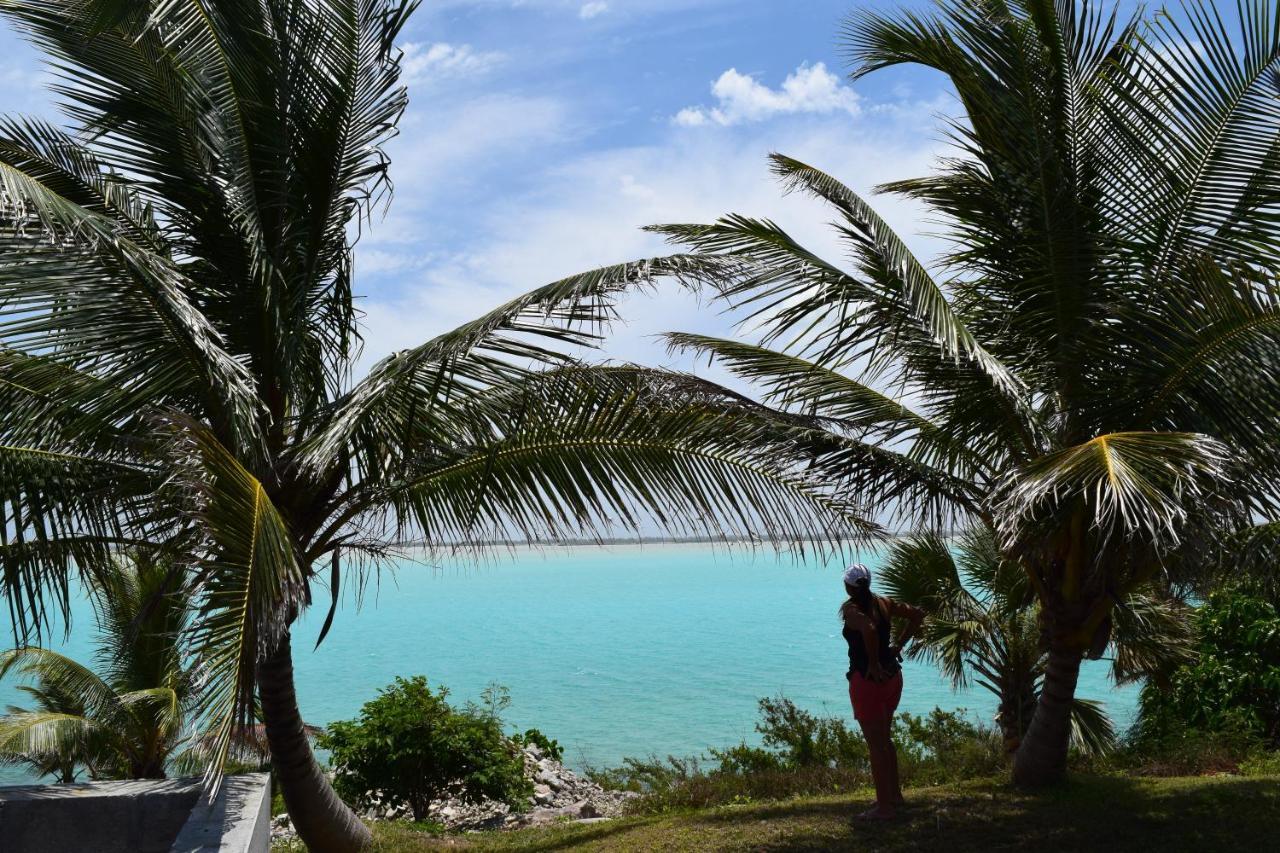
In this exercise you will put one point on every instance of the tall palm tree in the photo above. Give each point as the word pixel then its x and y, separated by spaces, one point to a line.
pixel 124 716
pixel 982 626
pixel 1092 372
pixel 178 335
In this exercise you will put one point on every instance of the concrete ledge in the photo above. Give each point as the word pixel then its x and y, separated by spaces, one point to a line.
pixel 151 816
pixel 237 821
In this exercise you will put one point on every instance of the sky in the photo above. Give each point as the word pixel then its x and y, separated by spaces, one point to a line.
pixel 542 134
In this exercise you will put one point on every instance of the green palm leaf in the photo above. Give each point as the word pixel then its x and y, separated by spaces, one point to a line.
pixel 560 454
pixel 1135 484
pixel 1092 732
pixel 248 587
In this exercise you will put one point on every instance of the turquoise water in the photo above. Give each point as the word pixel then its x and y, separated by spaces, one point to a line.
pixel 613 651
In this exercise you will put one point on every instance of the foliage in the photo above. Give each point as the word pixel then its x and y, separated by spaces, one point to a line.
pixel 409 747
pixel 945 746
pixel 1232 688
pixel 126 719
pixel 1086 374
pixel 805 740
pixel 803 754
pixel 982 626
pixel 549 747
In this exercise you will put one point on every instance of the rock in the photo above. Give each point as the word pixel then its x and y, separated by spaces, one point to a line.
pixel 542 795
pixel 593 820
pixel 541 817
pixel 583 808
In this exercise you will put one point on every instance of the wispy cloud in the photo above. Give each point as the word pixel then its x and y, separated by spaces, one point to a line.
pixel 740 98
pixel 592 9
pixel 585 210
pixel 424 62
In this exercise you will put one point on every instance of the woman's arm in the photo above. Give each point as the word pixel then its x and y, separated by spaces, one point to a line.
pixel 913 617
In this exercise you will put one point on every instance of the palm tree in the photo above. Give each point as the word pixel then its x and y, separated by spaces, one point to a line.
pixel 178 335
pixel 1091 374
pixel 982 625
pixel 125 721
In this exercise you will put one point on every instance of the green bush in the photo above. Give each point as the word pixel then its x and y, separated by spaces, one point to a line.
pixel 411 747
pixel 802 754
pixel 1232 687
pixel 945 747
pixel 804 740
pixel 532 737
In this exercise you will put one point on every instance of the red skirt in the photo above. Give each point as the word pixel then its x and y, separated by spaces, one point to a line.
pixel 874 700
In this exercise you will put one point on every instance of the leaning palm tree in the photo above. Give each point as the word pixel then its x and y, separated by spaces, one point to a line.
pixel 178 336
pixel 1091 373
pixel 982 626
pixel 124 716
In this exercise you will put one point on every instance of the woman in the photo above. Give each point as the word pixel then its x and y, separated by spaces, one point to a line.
pixel 875 678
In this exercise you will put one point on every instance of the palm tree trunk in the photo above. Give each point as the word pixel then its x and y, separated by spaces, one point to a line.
pixel 322 819
pixel 1041 758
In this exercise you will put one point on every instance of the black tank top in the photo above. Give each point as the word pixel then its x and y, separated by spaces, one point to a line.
pixel 858 661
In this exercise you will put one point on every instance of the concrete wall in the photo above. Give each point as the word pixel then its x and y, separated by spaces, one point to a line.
pixel 137 817
pixel 105 817
pixel 238 821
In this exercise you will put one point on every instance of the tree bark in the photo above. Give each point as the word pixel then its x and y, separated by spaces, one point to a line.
pixel 323 821
pixel 1041 758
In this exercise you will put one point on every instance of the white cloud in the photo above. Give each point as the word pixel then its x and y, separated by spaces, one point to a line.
pixel 587 212
pixel 740 98
pixel 593 9
pixel 424 62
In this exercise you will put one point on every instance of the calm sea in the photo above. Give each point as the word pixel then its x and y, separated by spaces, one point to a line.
pixel 618 651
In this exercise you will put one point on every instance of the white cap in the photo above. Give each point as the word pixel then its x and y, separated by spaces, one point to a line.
pixel 857 574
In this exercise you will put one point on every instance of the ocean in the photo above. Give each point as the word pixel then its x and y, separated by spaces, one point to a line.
pixel 614 651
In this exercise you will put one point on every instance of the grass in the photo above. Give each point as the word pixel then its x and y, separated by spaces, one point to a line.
pixel 1088 813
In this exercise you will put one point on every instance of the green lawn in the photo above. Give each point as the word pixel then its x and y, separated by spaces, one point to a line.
pixel 1090 813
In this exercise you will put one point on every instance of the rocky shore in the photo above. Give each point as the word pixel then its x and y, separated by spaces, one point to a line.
pixel 559 794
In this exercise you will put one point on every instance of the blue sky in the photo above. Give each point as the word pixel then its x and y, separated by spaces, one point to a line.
pixel 542 133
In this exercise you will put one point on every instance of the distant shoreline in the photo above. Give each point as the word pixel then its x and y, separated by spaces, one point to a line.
pixel 619 540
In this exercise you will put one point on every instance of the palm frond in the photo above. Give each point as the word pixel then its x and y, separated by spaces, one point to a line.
pixel 1151 636
pixel 36 737
pixel 1001 583
pixel 408 398
pixel 905 283
pixel 921 571
pixel 59 673
pixel 248 587
pixel 804 387
pixel 1132 485
pixel 1092 731
pixel 566 454
pixel 1204 86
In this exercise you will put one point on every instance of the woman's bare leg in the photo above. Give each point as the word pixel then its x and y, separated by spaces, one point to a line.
pixel 895 779
pixel 884 767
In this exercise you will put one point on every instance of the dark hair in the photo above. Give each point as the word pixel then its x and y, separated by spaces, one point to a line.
pixel 861 597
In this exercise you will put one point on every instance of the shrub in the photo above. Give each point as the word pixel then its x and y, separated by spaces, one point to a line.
pixel 944 746
pixel 645 775
pixel 805 740
pixel 532 737
pixel 1232 687
pixel 411 747
pixel 802 755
